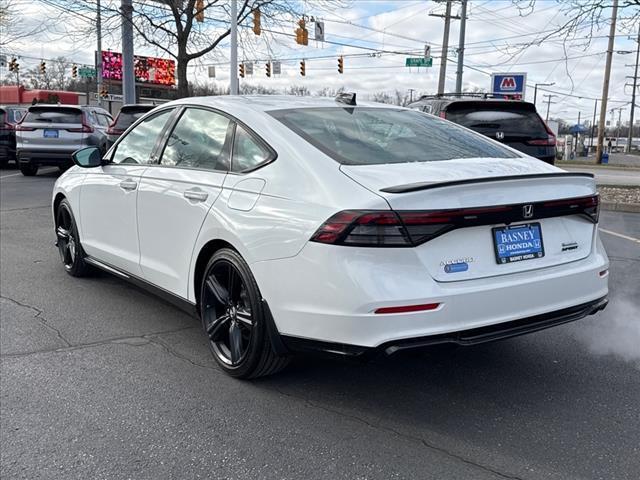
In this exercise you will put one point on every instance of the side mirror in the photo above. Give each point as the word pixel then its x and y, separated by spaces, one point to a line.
pixel 87 157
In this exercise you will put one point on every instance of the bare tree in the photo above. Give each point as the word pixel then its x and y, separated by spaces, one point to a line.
pixel 172 26
pixel 56 76
pixel 12 25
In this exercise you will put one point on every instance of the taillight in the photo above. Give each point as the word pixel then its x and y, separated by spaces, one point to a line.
pixel 114 131
pixel 6 126
pixel 86 128
pixel 443 114
pixel 387 228
pixel 550 141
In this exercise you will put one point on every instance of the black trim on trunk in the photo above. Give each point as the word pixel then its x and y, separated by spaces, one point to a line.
pixel 414 187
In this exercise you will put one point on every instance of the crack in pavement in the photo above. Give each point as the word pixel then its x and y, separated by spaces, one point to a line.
pixel 420 440
pixel 40 317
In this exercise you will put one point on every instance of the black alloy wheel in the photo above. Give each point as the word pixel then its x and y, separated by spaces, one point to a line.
pixel 69 247
pixel 233 319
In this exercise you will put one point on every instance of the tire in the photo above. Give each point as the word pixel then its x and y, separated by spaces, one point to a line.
pixel 71 252
pixel 29 170
pixel 233 318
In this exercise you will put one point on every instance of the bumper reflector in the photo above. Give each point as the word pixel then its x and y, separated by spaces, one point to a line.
pixel 603 273
pixel 408 308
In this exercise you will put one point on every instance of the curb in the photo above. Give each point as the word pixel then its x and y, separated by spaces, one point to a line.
pixel 621 207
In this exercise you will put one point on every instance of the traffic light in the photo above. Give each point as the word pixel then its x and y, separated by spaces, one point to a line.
pixel 341 64
pixel 256 21
pixel 302 34
pixel 242 70
pixel 268 68
pixel 303 67
pixel 13 65
pixel 43 67
pixel 74 71
pixel 199 14
pixel 104 92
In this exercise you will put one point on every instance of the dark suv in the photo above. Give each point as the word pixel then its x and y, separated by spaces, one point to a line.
pixel 9 116
pixel 514 123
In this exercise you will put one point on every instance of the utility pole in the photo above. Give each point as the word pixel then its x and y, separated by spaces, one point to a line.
pixel 411 90
pixel 619 124
pixel 463 24
pixel 128 77
pixel 445 46
pixel 99 53
pixel 549 102
pixel 577 134
pixel 535 89
pixel 233 67
pixel 633 95
pixel 593 123
pixel 605 83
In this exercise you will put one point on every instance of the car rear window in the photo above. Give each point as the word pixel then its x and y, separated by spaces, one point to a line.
pixel 368 136
pixel 12 115
pixel 54 115
pixel 512 119
pixel 127 117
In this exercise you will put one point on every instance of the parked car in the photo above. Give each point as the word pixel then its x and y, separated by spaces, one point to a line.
pixel 126 117
pixel 293 223
pixel 513 123
pixel 9 116
pixel 49 134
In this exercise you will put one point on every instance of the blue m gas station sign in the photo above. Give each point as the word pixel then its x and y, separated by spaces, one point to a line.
pixel 509 84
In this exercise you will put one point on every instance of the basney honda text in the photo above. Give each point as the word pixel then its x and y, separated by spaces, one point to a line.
pixel 292 224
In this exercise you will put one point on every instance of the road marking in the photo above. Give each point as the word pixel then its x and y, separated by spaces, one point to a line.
pixel 616 234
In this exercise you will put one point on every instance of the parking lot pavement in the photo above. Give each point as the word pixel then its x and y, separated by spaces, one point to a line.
pixel 609 176
pixel 101 380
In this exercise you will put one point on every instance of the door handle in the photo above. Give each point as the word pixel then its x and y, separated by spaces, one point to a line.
pixel 196 195
pixel 128 185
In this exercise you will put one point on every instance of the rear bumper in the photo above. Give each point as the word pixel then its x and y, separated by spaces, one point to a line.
pixel 36 157
pixel 469 337
pixel 330 295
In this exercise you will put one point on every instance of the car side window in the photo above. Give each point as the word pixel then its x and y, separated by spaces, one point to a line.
pixel 247 152
pixel 136 147
pixel 198 141
pixel 103 119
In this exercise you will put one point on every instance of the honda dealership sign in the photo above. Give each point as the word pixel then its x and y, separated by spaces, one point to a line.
pixel 509 84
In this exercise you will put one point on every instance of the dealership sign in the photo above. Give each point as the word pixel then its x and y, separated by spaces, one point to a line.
pixel 509 84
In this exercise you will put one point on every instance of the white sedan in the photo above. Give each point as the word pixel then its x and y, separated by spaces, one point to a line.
pixel 293 224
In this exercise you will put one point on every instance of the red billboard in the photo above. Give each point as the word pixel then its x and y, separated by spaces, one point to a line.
pixel 148 70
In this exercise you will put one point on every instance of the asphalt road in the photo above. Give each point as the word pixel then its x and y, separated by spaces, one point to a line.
pixel 101 380
pixel 609 176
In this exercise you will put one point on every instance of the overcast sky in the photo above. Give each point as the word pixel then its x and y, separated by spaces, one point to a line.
pixel 496 33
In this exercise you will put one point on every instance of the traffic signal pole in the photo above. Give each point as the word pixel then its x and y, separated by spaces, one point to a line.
pixel 99 54
pixel 233 85
pixel 128 77
pixel 605 83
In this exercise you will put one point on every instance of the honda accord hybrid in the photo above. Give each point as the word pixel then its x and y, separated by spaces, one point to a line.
pixel 292 224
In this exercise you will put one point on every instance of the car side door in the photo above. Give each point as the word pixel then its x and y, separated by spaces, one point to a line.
pixel 178 191
pixel 108 196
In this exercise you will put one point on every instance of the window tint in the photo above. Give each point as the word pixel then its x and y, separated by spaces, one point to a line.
pixel 247 153
pixel 490 119
pixel 365 136
pixel 198 141
pixel 54 115
pixel 137 145
pixel 126 119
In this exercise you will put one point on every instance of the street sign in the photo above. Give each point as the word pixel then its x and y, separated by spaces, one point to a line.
pixel 87 72
pixel 212 72
pixel 248 68
pixel 509 84
pixel 319 32
pixel 276 69
pixel 418 62
pixel 110 97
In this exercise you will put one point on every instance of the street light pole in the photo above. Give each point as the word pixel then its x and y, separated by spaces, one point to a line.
pixel 99 53
pixel 128 76
pixel 633 95
pixel 549 102
pixel 535 89
pixel 463 24
pixel 233 63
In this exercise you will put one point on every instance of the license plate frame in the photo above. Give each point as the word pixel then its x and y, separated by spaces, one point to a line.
pixel 506 254
pixel 50 133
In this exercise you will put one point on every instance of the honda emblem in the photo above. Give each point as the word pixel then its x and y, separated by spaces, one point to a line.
pixel 527 211
pixel 500 135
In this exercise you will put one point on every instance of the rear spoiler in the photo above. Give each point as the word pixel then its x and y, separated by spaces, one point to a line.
pixel 414 187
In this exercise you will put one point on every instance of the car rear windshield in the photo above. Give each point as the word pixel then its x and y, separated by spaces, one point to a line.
pixel 368 136
pixel 512 119
pixel 54 115
pixel 127 117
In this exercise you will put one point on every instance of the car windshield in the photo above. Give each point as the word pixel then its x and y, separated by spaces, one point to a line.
pixel 54 115
pixel 368 136
pixel 127 117
pixel 508 119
